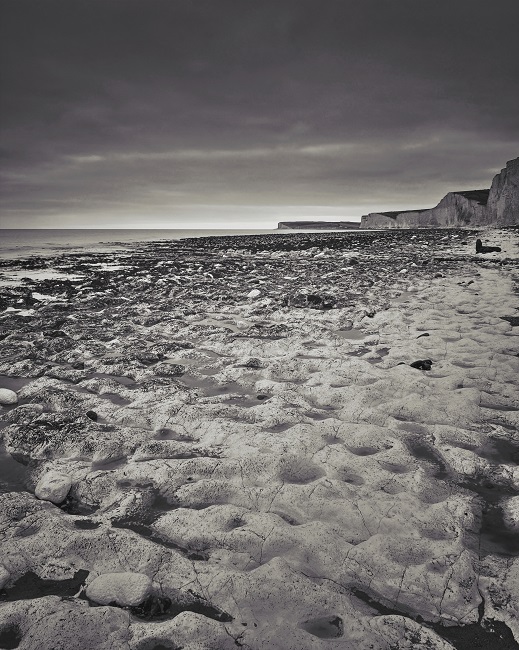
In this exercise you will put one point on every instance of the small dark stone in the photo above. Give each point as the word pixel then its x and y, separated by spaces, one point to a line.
pixel 92 415
pixel 424 334
pixel 55 334
pixel 422 364
pixel 78 365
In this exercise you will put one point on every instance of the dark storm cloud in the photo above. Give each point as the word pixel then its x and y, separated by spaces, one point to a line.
pixel 126 107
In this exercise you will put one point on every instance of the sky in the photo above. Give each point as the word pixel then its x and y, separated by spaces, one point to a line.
pixel 243 113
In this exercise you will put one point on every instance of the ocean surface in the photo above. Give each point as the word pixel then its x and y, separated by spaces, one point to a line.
pixel 21 243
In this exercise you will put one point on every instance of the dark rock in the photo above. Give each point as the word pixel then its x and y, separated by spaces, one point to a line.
pixel 10 637
pixel 253 362
pixel 311 300
pixel 424 334
pixel 92 415
pixel 55 334
pixel 486 249
pixel 78 365
pixel 422 364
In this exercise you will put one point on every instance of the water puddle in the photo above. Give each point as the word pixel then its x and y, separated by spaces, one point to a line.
pixel 73 506
pixel 144 529
pixel 16 277
pixel 14 383
pixel 494 538
pixel 423 451
pixel 31 586
pixel 324 627
pixel 10 637
pixel 86 524
pixel 483 634
pixel 169 434
pixel 352 335
pixel 13 475
pixel 236 393
pixel 500 451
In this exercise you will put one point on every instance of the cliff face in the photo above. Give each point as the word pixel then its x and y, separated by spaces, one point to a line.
pixel 391 219
pixel 498 206
pixel 503 201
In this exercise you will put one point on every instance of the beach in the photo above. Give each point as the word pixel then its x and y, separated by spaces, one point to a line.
pixel 272 441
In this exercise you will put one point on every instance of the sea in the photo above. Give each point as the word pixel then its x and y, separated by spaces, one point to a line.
pixel 20 243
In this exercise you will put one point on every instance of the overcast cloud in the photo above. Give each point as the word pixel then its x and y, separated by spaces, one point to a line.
pixel 171 113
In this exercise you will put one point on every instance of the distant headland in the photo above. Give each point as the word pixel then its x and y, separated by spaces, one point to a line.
pixel 318 225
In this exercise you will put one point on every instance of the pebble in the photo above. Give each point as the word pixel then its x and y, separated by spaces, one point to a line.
pixel 124 589
pixel 53 486
pixel 8 397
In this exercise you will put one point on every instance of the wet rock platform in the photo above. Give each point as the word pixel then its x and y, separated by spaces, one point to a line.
pixel 292 441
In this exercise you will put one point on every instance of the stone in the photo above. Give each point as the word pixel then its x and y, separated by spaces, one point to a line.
pixel 122 589
pixel 422 364
pixel 4 576
pixel 254 293
pixel 511 513
pixel 8 397
pixel 486 249
pixel 53 486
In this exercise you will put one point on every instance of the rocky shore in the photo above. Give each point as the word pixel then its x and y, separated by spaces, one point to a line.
pixel 291 441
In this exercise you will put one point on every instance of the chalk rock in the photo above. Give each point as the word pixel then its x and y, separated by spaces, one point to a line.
pixel 511 513
pixel 503 200
pixel 123 589
pixel 4 576
pixel 53 486
pixel 70 624
pixel 254 293
pixel 8 397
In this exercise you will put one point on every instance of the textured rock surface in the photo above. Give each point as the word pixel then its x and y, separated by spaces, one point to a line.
pixel 267 472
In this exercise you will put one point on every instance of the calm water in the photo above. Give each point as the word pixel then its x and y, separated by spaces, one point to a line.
pixel 22 243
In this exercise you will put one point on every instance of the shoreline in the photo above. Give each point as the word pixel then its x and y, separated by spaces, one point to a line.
pixel 238 420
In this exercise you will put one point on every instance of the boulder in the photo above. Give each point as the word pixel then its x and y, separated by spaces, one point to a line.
pixel 53 486
pixel 486 249
pixel 122 589
pixel 8 397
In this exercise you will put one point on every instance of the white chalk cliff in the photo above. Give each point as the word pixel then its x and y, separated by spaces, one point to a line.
pixel 498 206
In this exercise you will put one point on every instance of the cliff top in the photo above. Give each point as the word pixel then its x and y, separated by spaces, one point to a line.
pixel 481 196
pixel 394 215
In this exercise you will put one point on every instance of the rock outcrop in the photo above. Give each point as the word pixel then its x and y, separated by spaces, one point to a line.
pixel 497 206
